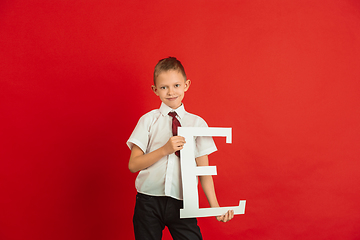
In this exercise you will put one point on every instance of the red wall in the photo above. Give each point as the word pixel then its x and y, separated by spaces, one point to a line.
pixel 75 77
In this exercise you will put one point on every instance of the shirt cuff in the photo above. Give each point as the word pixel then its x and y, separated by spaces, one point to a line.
pixel 131 142
pixel 206 152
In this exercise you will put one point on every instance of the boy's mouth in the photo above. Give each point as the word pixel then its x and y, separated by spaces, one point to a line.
pixel 172 99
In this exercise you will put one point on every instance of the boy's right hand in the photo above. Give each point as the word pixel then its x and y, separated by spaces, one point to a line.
pixel 174 144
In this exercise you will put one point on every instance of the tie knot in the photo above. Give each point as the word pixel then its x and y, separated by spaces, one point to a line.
pixel 172 114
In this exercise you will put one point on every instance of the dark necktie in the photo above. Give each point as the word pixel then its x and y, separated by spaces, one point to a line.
pixel 175 125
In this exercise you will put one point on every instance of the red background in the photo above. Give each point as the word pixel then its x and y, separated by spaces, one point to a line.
pixel 76 76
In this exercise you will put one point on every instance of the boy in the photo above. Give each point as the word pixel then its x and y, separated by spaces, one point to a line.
pixel 154 153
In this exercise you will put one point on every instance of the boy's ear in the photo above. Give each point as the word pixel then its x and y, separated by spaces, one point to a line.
pixel 187 85
pixel 153 87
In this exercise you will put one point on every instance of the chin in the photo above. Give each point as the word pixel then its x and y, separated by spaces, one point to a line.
pixel 174 106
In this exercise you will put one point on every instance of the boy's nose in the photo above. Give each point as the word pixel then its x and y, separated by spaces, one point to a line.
pixel 171 91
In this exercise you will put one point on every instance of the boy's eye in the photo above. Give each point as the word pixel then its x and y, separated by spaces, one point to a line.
pixel 162 87
pixel 177 85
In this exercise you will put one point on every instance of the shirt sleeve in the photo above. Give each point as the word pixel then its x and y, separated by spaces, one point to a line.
pixel 140 135
pixel 204 145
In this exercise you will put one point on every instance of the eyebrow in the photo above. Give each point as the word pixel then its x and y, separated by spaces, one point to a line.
pixel 165 85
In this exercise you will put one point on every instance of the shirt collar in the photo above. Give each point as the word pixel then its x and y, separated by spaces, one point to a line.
pixel 165 109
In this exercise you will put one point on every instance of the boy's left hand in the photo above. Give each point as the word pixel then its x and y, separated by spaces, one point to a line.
pixel 226 217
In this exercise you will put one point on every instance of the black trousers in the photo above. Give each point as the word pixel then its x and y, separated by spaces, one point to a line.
pixel 152 214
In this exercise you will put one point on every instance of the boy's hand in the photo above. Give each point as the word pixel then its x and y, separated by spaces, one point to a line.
pixel 226 217
pixel 174 144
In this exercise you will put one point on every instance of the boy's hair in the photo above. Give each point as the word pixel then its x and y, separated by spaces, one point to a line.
pixel 167 64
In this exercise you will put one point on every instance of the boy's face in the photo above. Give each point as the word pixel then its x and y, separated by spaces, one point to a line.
pixel 171 86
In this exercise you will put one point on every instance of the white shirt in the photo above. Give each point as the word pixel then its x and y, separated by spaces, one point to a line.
pixel 153 130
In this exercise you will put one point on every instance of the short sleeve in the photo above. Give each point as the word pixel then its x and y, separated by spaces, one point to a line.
pixel 140 135
pixel 204 145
